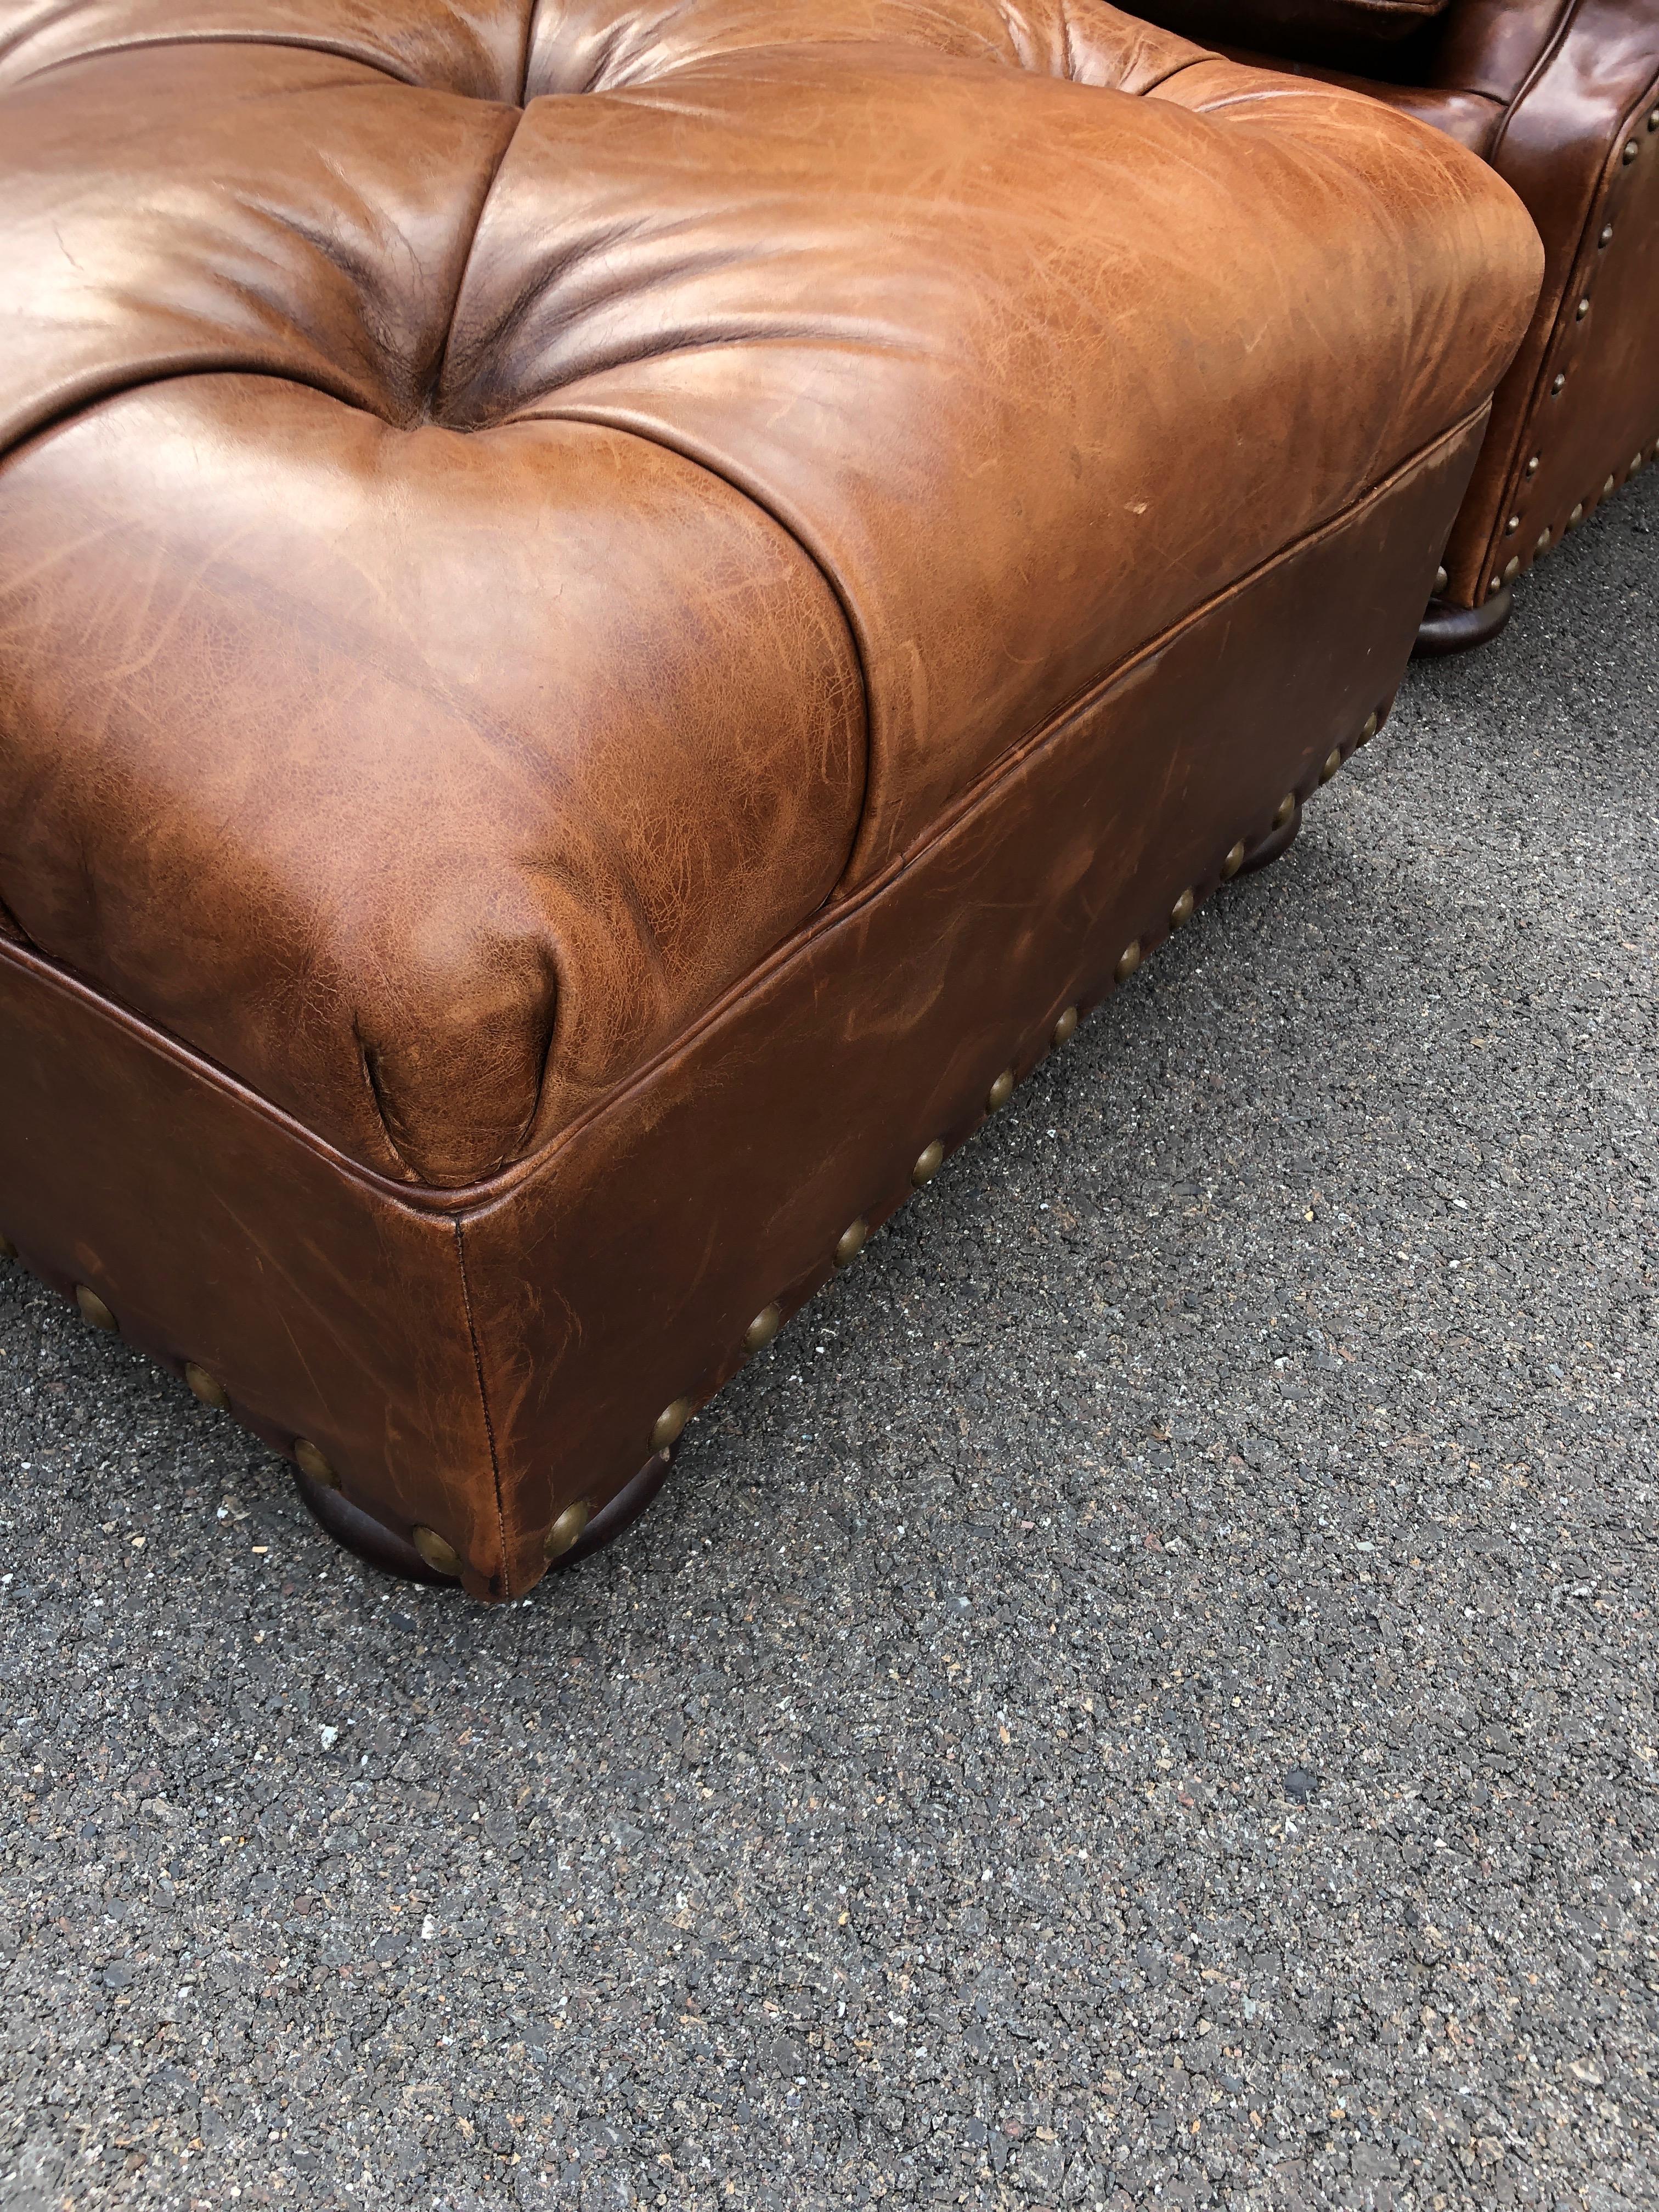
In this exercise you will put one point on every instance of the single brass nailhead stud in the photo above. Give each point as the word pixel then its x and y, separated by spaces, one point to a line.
pixel 929 1160
pixel 1543 541
pixel 1000 1092
pixel 1584 309
pixel 1511 526
pixel 1560 380
pixel 1653 120
pixel 1233 863
pixel 672 1418
pixel 1636 464
pixel 1632 150
pixel 1532 466
pixel 1181 912
pixel 92 1308
pixel 1128 960
pixel 1606 238
pixel 1495 586
pixel 1576 516
pixel 443 1559
pixel 1066 1027
pixel 1330 765
pixel 567 1530
pixel 1512 569
pixel 1441 581
pixel 851 1241
pixel 1608 488
pixel 1368 729
pixel 208 1388
pixel 7 1249
pixel 1286 807
pixel 310 1461
pixel 763 1328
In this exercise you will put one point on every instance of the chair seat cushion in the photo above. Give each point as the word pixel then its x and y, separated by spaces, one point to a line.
pixel 508 511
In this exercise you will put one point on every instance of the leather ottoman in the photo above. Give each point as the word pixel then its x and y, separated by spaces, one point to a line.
pixel 613 617
pixel 1562 97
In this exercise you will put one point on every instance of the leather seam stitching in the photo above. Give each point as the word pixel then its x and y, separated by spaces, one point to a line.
pixel 459 1224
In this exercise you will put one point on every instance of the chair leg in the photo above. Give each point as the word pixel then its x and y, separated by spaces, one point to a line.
pixel 1447 629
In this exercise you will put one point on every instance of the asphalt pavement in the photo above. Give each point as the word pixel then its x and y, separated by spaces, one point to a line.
pixel 1144 1694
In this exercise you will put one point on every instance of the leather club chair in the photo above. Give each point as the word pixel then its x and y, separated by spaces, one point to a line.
pixel 613 617
pixel 1562 98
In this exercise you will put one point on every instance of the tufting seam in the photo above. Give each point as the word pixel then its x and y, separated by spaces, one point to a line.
pixel 441 359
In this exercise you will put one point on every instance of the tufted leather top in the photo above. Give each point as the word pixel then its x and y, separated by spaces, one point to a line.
pixel 507 509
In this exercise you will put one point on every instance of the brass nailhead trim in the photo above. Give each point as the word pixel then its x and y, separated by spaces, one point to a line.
pixel 1066 1027
pixel 1128 960
pixel 1555 388
pixel 1286 808
pixel 852 1242
pixel 208 1388
pixel 1441 581
pixel 1576 516
pixel 1368 729
pixel 670 1422
pixel 1606 238
pixel 1511 526
pixel 1632 150
pixel 442 1557
pixel 929 1160
pixel 1000 1092
pixel 1543 541
pixel 1233 863
pixel 92 1308
pixel 1330 765
pixel 1532 466
pixel 763 1328
pixel 1512 569
pixel 1181 912
pixel 568 1530
pixel 310 1461
pixel 1608 488
pixel 1584 309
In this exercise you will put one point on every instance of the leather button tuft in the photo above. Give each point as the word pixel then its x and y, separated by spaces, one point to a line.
pixel 1066 1027
pixel 566 1530
pixel 1181 912
pixel 929 1160
pixel 763 1328
pixel 1000 1092
pixel 669 1423
pixel 310 1462
pixel 206 1387
pixel 1233 863
pixel 851 1241
pixel 443 1559
pixel 1285 810
pixel 1330 765
pixel 92 1308
pixel 1127 960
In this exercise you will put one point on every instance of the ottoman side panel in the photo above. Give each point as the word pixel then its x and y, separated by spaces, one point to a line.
pixel 617 1277
pixel 216 1234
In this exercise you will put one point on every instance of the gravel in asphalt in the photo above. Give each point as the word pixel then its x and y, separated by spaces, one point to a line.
pixel 1143 1693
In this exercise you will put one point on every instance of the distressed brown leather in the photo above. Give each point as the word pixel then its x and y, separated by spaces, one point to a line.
pixel 1562 97
pixel 521 525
